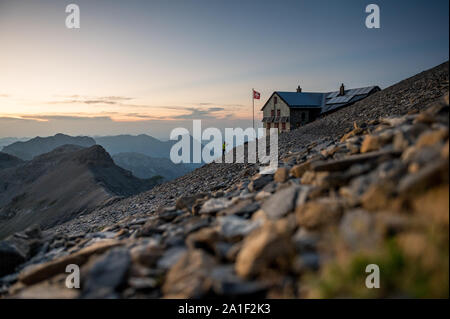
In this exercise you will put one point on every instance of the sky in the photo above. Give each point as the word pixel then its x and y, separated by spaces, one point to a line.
pixel 149 66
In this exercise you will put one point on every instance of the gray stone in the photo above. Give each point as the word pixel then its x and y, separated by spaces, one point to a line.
pixel 188 201
pixel 10 258
pixel 305 240
pixel 342 164
pixel 104 235
pixel 226 283
pixel 432 174
pixel 307 262
pixel 214 205
pixel 281 203
pixel 243 207
pixel 170 257
pixel 233 226
pixel 302 194
pixel 107 275
pixel 190 277
pixel 260 182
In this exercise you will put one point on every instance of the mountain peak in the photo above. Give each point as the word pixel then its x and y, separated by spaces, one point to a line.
pixel 95 154
pixel 40 145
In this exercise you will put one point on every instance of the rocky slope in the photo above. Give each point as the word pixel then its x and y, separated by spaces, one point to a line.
pixel 56 186
pixel 367 184
pixel 41 145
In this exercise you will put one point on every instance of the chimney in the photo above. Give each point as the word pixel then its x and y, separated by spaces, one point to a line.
pixel 299 89
pixel 342 90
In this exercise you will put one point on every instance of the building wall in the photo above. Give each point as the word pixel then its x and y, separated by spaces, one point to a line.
pixel 284 109
pixel 296 117
pixel 309 115
pixel 280 127
pixel 280 105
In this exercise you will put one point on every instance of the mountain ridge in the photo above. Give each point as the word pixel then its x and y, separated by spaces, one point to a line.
pixel 143 166
pixel 56 186
pixel 41 145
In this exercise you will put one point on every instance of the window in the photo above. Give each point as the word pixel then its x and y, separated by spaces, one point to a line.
pixel 278 112
pixel 272 113
pixel 268 125
pixel 283 126
pixel 276 125
pixel 275 100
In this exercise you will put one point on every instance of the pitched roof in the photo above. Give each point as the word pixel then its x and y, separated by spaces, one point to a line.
pixel 326 101
pixel 334 101
pixel 295 99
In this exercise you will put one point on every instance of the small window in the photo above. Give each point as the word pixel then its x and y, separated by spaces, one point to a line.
pixel 275 100
pixel 272 113
pixel 283 126
pixel 276 125
pixel 278 112
pixel 268 125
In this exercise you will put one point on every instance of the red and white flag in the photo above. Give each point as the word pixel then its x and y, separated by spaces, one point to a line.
pixel 256 95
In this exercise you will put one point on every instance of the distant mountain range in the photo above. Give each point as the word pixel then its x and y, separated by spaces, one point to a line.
pixel 49 180
pixel 56 186
pixel 4 141
pixel 144 166
pixel 143 144
pixel 40 145
pixel 143 155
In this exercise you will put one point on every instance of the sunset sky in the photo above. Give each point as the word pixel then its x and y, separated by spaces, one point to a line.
pixel 149 66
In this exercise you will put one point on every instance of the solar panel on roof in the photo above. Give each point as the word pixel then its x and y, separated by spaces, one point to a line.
pixel 366 90
pixel 340 99
pixel 363 91
pixel 332 94
pixel 351 92
pixel 354 92
pixel 334 101
pixel 360 91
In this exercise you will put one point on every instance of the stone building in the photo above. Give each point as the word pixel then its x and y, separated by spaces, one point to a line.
pixel 290 110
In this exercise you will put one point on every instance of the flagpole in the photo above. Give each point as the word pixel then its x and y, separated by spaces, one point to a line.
pixel 253 100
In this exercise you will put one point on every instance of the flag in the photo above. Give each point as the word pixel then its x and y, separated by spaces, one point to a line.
pixel 256 95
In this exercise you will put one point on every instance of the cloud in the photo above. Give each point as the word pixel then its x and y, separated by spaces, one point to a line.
pixel 219 104
pixel 144 116
pixel 78 99
pixel 12 119
pixel 215 109
pixel 200 113
pixel 64 117
pixel 46 118
pixel 101 116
